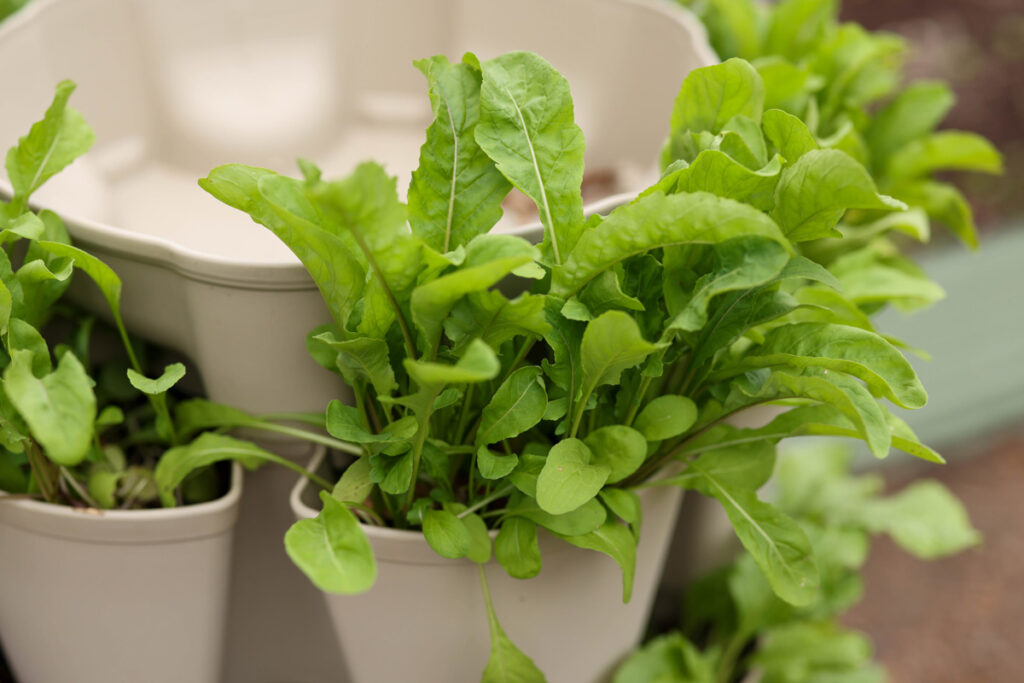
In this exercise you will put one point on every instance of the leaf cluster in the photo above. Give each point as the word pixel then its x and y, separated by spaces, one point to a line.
pixel 733 623
pixel 79 425
pixel 524 388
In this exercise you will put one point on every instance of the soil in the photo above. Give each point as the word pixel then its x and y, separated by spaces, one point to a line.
pixel 978 47
pixel 961 619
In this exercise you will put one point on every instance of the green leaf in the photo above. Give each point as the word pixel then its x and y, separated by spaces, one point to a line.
pixel 711 96
pixel 51 144
pixel 489 258
pixel 913 113
pixel 740 264
pixel 611 343
pixel 25 337
pixel 569 479
pixel 365 359
pixel 102 485
pixel 716 172
pixel 925 519
pixel 507 664
pixel 526 126
pixel 870 279
pixel 734 31
pixel 60 408
pixel 478 364
pixel 199 414
pixel 355 484
pixel 347 423
pixel 618 543
pixel 816 191
pixel 943 203
pixel 847 395
pixel 778 545
pixel 946 150
pixel 336 272
pixel 621 448
pixel 99 272
pixel 516 406
pixel 740 466
pixel 446 534
pixel 797 27
pixel 669 658
pixel 516 548
pixel 456 192
pixel 479 539
pixel 494 319
pixel 850 350
pixel 332 550
pixel 654 222
pixel 494 466
pixel 364 211
pixel 170 376
pixel 787 86
pixel 665 417
pixel 178 462
pixel 789 134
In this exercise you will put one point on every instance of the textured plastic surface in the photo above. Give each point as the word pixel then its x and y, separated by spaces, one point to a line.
pixel 116 596
pixel 173 89
pixel 570 618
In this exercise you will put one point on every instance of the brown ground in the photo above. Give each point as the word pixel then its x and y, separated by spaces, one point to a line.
pixel 958 620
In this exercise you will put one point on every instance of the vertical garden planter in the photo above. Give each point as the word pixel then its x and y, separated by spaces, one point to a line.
pixel 570 619
pixel 138 595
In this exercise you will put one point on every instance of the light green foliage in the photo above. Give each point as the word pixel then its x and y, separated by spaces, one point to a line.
pixel 171 374
pixel 59 407
pixel 746 275
pixel 456 192
pixel 332 549
pixel 209 448
pixel 526 126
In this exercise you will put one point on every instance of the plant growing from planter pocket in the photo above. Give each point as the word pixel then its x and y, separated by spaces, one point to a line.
pixel 58 440
pixel 732 623
pixel 641 335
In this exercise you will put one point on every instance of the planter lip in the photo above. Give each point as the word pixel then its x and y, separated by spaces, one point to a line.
pixel 127 527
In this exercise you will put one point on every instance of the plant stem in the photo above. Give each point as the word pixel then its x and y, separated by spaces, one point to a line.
pixel 86 498
pixel 312 419
pixel 328 441
pixel 417 452
pixel 37 463
pixel 500 493
pixel 467 401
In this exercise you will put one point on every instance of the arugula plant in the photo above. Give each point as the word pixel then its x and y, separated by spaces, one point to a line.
pixel 75 431
pixel 845 84
pixel 732 621
pixel 518 387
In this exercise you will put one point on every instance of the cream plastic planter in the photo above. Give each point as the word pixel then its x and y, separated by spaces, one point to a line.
pixel 174 89
pixel 424 620
pixel 135 595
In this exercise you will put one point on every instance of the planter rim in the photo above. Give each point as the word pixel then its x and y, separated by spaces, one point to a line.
pixel 162 525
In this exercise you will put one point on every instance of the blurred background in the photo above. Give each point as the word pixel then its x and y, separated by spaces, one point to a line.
pixel 960 619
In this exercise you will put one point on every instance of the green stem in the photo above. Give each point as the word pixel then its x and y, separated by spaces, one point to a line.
pixel 467 401
pixel 328 441
pixel 312 419
pixel 37 463
pixel 410 345
pixel 73 483
pixel 417 452
pixel 497 495
pixel 727 664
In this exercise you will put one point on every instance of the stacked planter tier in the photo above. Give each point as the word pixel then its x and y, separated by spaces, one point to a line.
pixel 174 89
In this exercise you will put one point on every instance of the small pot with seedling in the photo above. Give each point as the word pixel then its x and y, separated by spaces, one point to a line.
pixel 114 565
